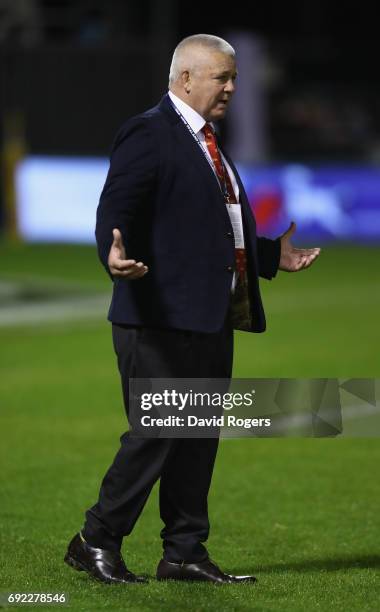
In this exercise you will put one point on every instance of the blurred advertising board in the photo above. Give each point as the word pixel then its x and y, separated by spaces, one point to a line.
pixel 56 199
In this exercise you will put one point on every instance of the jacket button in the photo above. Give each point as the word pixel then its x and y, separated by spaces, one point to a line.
pixel 229 233
pixel 229 268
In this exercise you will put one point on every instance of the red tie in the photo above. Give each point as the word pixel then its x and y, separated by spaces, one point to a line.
pixel 224 178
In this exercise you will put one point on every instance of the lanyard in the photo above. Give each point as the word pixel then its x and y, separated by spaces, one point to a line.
pixel 222 185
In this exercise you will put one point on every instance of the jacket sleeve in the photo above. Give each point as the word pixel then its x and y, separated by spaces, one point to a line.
pixel 268 252
pixel 130 181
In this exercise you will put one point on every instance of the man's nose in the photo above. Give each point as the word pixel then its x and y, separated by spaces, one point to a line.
pixel 230 86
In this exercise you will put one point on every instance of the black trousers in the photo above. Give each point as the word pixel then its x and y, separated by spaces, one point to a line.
pixel 184 466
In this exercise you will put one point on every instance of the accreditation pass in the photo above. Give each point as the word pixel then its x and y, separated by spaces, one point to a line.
pixel 234 211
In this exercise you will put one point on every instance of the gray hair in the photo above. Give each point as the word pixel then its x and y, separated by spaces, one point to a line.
pixel 208 41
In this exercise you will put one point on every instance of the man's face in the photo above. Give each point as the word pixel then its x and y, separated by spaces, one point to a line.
pixel 212 85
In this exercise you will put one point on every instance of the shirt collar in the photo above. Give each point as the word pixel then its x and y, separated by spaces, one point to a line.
pixel 194 119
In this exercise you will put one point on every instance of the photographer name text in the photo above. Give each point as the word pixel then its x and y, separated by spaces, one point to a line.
pixel 194 421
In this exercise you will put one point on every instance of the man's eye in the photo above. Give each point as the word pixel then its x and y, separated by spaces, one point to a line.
pixel 224 79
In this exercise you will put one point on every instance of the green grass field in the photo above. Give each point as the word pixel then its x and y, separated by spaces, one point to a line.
pixel 302 514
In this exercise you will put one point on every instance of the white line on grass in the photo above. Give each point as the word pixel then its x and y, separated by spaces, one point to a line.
pixel 70 309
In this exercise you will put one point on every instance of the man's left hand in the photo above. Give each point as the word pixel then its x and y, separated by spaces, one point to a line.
pixel 292 259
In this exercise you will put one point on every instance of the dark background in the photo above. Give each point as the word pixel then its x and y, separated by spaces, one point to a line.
pixel 74 70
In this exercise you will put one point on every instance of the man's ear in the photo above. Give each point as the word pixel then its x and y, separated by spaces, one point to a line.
pixel 186 81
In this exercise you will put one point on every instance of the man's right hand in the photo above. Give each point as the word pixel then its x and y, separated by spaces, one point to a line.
pixel 119 265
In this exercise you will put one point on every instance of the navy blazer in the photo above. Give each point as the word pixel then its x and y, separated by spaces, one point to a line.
pixel 163 196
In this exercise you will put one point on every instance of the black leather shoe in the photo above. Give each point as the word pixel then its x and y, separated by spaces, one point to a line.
pixel 104 565
pixel 207 571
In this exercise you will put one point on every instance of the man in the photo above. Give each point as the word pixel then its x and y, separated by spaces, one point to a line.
pixel 183 278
